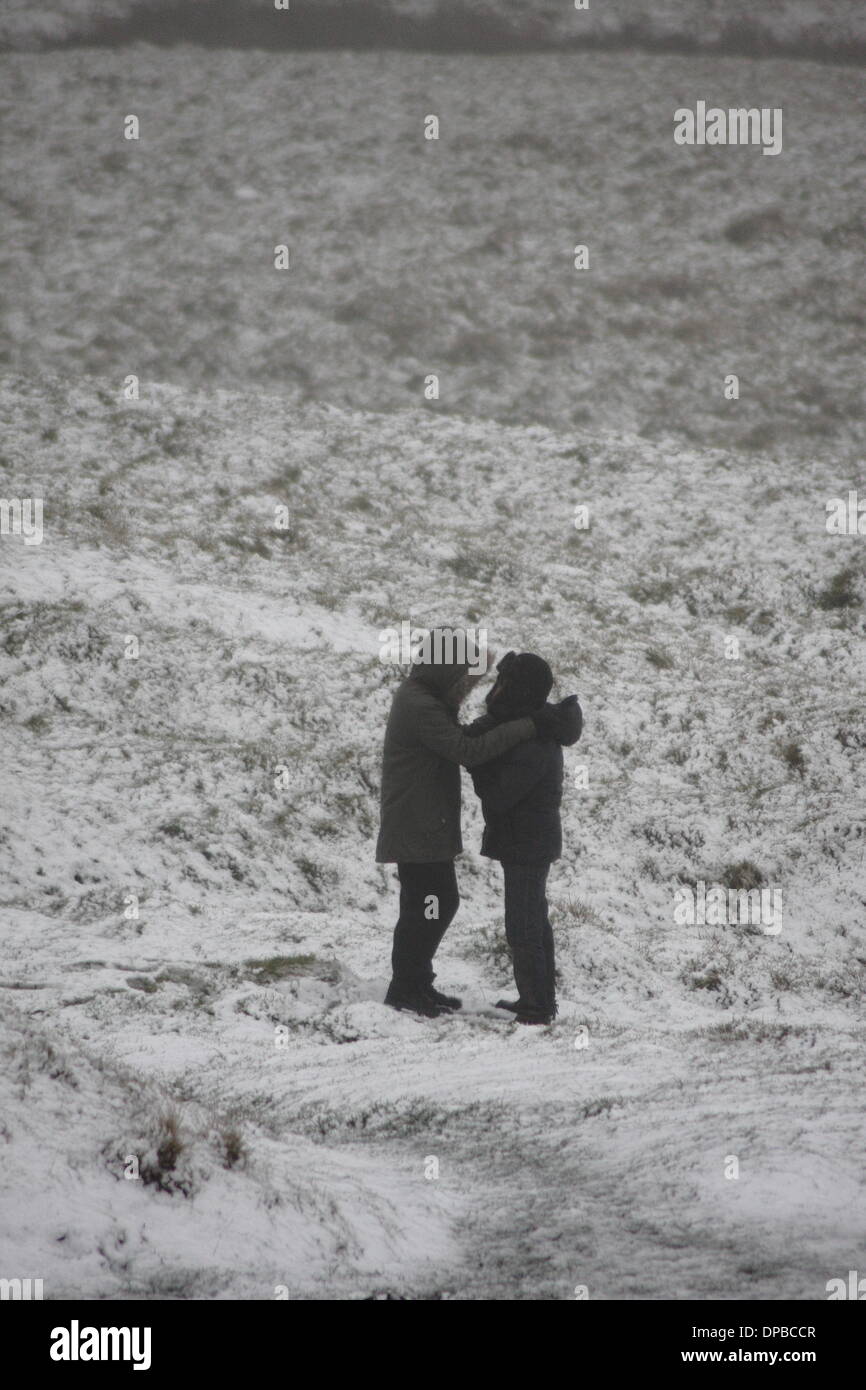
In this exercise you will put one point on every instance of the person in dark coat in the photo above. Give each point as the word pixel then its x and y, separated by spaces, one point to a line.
pixel 520 793
pixel 425 746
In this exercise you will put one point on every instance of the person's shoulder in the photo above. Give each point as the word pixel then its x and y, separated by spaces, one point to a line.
pixel 414 691
pixel 417 701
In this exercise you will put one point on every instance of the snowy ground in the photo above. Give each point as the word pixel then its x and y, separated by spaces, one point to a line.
pixel 701 23
pixel 454 257
pixel 230 1036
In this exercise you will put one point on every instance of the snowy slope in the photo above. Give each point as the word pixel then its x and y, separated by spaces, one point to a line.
pixel 410 257
pixel 231 1035
pixel 806 24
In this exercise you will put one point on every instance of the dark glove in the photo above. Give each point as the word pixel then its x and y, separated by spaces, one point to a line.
pixel 562 723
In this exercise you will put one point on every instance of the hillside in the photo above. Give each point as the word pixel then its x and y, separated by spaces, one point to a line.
pixel 454 257
pixel 809 28
pixel 259 906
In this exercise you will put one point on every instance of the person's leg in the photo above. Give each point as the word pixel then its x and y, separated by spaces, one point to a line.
pixel 443 889
pixel 524 928
pixel 428 903
pixel 549 948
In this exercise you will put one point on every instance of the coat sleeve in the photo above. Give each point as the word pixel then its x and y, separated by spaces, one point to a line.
pixel 436 730
pixel 479 725
pixel 504 783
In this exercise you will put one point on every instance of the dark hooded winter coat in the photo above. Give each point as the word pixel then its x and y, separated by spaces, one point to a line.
pixel 425 746
pixel 521 792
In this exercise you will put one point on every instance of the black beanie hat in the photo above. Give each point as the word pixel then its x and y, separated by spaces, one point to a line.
pixel 526 681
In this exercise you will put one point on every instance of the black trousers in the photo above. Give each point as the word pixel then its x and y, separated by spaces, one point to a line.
pixel 530 935
pixel 428 902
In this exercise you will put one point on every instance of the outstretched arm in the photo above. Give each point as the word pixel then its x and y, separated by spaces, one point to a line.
pixel 437 731
pixel 479 725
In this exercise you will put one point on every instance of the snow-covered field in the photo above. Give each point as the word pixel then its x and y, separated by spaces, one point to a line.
pixel 195 937
pixel 800 24
pixel 456 257
pixel 202 1095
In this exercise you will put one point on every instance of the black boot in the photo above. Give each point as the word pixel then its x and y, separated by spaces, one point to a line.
pixel 413 999
pixel 448 1003
pixel 536 1016
pixel 512 1005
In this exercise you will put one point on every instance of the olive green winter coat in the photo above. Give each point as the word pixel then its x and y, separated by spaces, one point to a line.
pixel 425 747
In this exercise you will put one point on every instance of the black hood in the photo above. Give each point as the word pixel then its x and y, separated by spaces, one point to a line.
pixel 522 686
pixel 439 676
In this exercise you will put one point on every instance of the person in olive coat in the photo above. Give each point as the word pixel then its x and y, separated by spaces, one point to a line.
pixel 425 746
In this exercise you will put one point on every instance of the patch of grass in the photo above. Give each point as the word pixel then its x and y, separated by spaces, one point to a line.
pixel 580 914
pixel 679 836
pixel 763 621
pixel 248 545
pixel 35 1054
pixel 173 829
pixel 232 1148
pixel 654 590
pixel 477 565
pixel 271 968
pixel 38 723
pixel 326 598
pixel 782 980
pixel 160 1170
pixel 170 1147
pixel 325 828
pixel 648 868
pixel 113 521
pixel 316 875
pixel 277 484
pixel 404 1118
pixel 660 659
pixel 142 982
pixel 792 754
pixel 199 987
pixel 772 716
pixel 752 227
pixel 839 592
pixel 737 614
pixel 601 1105
pixel 490 946
pixel 743 874
pixel 711 979
pixel 750 1030
pixel 175 437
